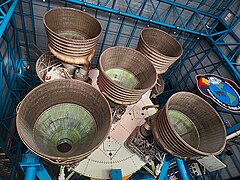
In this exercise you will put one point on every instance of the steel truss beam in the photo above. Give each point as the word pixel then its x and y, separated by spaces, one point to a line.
pixel 6 17
pixel 220 42
pixel 33 167
pixel 10 144
pixel 134 12
pixel 159 20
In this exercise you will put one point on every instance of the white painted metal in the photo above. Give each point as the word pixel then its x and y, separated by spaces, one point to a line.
pixel 211 163
pixel 194 169
pixel 112 154
pixel 233 135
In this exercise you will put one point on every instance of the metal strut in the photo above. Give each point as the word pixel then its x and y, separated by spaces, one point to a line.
pixel 32 167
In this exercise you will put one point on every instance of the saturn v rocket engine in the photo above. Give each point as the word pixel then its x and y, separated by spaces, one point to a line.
pixel 187 127
pixel 63 121
pixel 125 75
pixel 162 50
pixel 72 39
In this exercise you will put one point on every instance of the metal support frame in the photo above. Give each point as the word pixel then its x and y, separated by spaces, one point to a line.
pixel 160 21
pixel 180 164
pixel 32 167
pixel 116 174
pixel 173 6
pixel 6 17
pixel 168 160
pixel 233 128
pixel 10 145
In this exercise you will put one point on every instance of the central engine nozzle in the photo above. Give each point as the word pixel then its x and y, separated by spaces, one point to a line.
pixel 125 75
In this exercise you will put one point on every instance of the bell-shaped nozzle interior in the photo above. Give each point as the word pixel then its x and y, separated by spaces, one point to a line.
pixel 189 127
pixel 63 121
pixel 125 75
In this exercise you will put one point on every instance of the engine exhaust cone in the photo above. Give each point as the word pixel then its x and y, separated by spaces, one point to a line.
pixel 63 121
pixel 188 126
pixel 125 75
pixel 160 48
pixel 72 34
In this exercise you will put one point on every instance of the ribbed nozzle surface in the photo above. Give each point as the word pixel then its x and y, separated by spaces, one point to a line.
pixel 63 121
pixel 72 34
pixel 188 126
pixel 125 75
pixel 160 48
